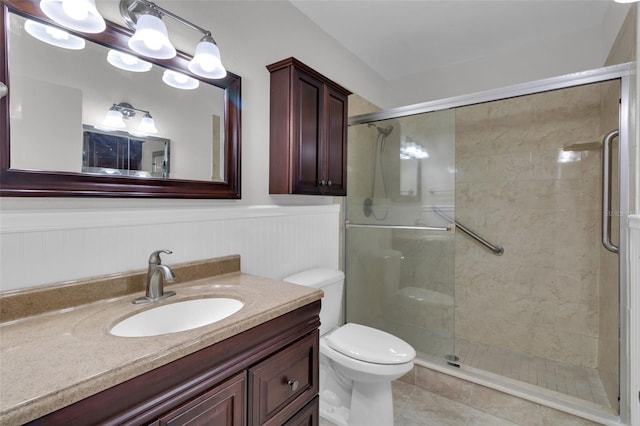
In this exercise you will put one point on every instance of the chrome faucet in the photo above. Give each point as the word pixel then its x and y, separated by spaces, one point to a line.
pixel 156 275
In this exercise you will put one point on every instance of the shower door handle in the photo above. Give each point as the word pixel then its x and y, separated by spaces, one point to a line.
pixel 606 191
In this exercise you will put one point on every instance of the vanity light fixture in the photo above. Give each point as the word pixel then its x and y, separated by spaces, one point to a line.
pixel 53 36
pixel 113 120
pixel 151 38
pixel 78 15
pixel 179 80
pixel 410 150
pixel 127 62
pixel 123 111
pixel 206 61
pixel 147 125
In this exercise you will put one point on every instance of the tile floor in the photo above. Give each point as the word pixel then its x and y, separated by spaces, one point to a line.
pixel 454 402
pixel 576 381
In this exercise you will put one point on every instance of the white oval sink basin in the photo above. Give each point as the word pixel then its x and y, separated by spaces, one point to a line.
pixel 179 316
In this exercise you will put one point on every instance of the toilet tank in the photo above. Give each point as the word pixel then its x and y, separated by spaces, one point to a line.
pixel 331 281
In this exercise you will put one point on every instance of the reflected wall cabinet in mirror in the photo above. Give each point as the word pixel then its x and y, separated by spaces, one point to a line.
pixel 82 120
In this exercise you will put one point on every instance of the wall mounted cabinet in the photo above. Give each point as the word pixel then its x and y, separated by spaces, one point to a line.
pixel 308 134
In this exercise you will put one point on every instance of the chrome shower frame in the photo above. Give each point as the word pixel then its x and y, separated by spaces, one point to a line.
pixel 623 73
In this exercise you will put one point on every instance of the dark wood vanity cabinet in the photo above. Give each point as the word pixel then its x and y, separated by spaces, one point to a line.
pixel 267 375
pixel 225 404
pixel 308 132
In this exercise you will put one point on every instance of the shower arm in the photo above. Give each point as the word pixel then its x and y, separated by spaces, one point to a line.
pixel 497 250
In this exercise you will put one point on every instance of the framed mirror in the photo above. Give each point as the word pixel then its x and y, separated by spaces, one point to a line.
pixel 54 140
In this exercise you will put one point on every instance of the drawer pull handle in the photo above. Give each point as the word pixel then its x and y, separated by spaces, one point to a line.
pixel 293 385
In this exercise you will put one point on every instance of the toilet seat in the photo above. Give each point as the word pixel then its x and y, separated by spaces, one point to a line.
pixel 370 345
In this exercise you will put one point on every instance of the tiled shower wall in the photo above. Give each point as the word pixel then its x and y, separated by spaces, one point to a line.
pixel 516 187
pixel 273 241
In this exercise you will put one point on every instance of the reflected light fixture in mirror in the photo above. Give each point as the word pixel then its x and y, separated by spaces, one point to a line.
pixel 53 36
pixel 147 125
pixel 123 111
pixel 179 80
pixel 112 120
pixel 78 15
pixel 127 62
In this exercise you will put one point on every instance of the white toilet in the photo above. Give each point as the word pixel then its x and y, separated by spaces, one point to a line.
pixel 357 363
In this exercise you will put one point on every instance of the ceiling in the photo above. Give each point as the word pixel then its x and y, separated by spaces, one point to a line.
pixel 397 38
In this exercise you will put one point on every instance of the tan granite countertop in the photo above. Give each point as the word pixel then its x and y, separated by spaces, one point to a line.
pixel 53 359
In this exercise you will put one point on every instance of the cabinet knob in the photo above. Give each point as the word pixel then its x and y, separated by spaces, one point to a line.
pixel 293 384
pixel 328 183
pixel 322 182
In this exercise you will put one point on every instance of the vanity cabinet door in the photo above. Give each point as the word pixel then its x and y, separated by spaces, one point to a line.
pixel 308 416
pixel 308 131
pixel 224 405
pixel 284 383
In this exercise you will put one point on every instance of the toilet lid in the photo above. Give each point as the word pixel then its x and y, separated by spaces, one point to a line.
pixel 370 345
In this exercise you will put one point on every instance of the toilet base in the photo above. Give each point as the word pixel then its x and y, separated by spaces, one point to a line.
pixel 371 405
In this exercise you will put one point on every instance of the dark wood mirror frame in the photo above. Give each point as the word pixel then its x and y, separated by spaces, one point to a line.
pixel 32 183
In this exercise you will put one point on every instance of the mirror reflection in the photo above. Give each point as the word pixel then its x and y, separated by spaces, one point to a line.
pixel 59 95
pixel 119 153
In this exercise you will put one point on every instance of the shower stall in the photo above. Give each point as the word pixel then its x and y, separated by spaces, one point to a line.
pixel 475 227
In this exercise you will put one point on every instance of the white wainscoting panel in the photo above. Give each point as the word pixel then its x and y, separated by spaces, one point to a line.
pixel 634 316
pixel 38 248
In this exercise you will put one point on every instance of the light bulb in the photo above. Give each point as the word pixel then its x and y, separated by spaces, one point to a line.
pixel 56 33
pixel 151 38
pixel 179 80
pixel 53 36
pixel 113 119
pixel 127 62
pixel 147 125
pixel 78 15
pixel 76 9
pixel 206 61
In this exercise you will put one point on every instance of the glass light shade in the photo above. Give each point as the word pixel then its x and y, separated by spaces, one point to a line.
pixel 151 38
pixel 127 62
pixel 179 80
pixel 53 36
pixel 206 61
pixel 113 120
pixel 147 125
pixel 78 15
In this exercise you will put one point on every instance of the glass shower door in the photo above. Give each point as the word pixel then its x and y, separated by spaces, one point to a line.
pixel 399 239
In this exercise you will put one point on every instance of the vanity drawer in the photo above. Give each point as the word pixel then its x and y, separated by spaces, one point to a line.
pixel 284 383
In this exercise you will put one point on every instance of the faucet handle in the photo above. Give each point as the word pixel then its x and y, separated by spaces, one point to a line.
pixel 154 259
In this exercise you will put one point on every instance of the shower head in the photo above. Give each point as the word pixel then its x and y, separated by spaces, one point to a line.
pixel 385 131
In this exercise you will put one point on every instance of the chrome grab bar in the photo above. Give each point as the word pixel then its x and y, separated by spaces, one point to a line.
pixel 497 250
pixel 417 228
pixel 606 191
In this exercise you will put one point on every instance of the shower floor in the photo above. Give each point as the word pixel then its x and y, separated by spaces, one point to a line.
pixel 580 382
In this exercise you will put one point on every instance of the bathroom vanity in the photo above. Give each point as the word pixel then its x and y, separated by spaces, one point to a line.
pixel 258 366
